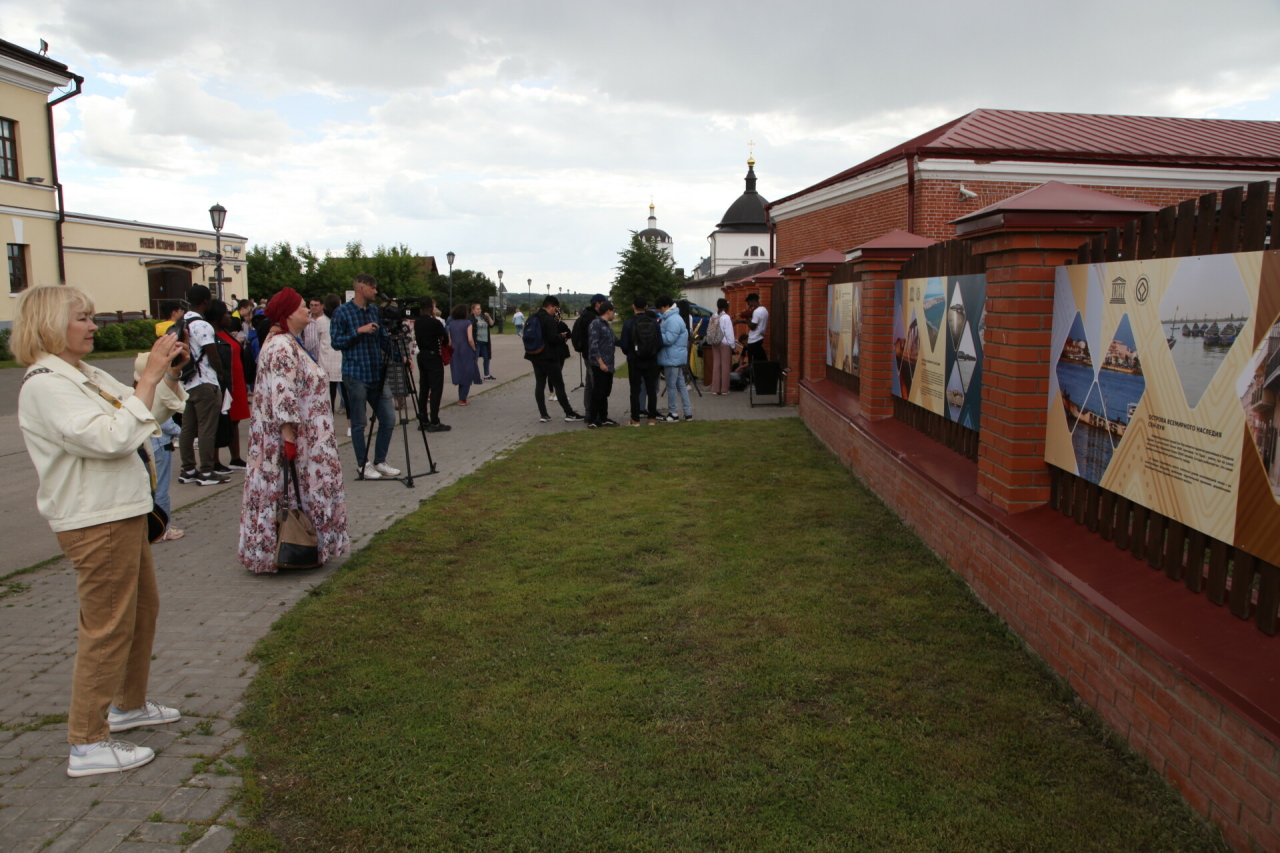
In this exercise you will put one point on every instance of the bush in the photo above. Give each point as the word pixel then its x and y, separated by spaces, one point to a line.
pixel 139 334
pixel 4 344
pixel 109 338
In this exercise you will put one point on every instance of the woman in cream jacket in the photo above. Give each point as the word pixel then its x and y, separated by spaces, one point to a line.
pixel 83 431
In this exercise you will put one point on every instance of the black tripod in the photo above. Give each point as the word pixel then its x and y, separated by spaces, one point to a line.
pixel 404 392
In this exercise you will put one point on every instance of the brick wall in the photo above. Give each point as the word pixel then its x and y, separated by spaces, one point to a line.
pixel 1224 768
pixel 847 224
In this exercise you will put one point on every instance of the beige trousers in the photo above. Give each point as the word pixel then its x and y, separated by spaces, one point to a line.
pixel 119 603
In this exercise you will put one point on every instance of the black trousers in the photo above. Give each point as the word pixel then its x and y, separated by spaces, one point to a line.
pixel 588 398
pixel 756 351
pixel 550 371
pixel 643 376
pixel 431 371
pixel 601 385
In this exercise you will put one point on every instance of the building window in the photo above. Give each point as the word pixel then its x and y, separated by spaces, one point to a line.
pixel 753 252
pixel 17 267
pixel 8 149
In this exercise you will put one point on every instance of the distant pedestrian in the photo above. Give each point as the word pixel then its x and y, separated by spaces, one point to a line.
pixel 464 369
pixel 548 359
pixel 580 341
pixel 87 436
pixel 518 320
pixel 357 332
pixel 674 357
pixel 291 422
pixel 430 335
pixel 720 346
pixel 170 311
pixel 641 342
pixel 330 358
pixel 230 352
pixel 600 347
pixel 483 323
pixel 757 317
pixel 204 395
pixel 311 335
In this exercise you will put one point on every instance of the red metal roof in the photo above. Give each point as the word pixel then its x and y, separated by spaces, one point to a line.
pixel 1056 204
pixel 1080 138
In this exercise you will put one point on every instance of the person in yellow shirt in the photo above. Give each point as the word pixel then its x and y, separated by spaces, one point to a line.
pixel 171 309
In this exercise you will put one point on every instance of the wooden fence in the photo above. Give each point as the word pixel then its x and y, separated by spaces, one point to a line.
pixel 953 257
pixel 1250 587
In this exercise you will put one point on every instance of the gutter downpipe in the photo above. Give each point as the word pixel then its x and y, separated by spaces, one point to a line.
pixel 911 193
pixel 53 161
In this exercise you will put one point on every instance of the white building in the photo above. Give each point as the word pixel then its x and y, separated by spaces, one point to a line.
pixel 742 235
pixel 657 236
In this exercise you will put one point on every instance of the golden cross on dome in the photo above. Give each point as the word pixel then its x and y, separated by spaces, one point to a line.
pixel 751 154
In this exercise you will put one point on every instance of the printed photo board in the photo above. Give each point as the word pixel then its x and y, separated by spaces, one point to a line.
pixel 844 325
pixel 938 327
pixel 1163 385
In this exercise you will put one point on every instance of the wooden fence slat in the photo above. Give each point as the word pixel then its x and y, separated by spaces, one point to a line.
pixel 1098 249
pixel 1216 587
pixel 1094 496
pixel 1068 495
pixel 1138 535
pixel 1173 544
pixel 1082 254
pixel 1194 576
pixel 1253 222
pixel 1167 220
pixel 1207 219
pixel 1124 508
pixel 1242 568
pixel 1155 540
pixel 1107 510
pixel 1268 597
pixel 1112 243
pixel 1184 239
pixel 1080 500
pixel 1129 241
pixel 1229 221
pixel 1147 236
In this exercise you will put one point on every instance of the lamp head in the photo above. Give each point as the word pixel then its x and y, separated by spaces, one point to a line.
pixel 218 216
pixel 451 256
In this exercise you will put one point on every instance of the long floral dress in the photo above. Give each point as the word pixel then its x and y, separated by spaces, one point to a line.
pixel 291 388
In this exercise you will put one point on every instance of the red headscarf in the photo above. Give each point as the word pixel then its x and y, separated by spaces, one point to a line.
pixel 282 305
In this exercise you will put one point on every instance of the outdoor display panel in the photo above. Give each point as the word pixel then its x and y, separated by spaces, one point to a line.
pixel 938 326
pixel 844 326
pixel 1162 388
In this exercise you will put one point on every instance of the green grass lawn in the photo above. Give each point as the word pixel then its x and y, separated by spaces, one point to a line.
pixel 689 638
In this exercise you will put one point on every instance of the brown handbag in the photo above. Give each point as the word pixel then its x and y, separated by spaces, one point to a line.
pixel 297 546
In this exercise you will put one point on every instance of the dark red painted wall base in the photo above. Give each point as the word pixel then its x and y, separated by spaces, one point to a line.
pixel 1189 686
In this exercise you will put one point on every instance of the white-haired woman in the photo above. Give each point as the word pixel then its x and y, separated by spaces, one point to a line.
pixel 83 431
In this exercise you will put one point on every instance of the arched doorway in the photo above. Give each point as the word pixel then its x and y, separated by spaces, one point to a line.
pixel 166 283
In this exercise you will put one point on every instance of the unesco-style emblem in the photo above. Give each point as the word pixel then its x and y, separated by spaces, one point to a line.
pixel 1117 290
pixel 1140 290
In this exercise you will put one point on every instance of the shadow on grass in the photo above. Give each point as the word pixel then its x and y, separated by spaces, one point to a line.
pixel 708 637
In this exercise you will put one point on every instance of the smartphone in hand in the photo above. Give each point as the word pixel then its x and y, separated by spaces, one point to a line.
pixel 178 330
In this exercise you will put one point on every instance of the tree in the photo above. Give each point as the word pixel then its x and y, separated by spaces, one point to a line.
pixel 271 270
pixel 644 270
pixel 397 269
pixel 469 287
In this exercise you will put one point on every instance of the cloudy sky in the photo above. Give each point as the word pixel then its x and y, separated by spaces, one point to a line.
pixel 531 136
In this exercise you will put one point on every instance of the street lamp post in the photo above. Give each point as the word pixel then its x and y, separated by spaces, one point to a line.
pixel 450 258
pixel 502 306
pixel 530 296
pixel 218 216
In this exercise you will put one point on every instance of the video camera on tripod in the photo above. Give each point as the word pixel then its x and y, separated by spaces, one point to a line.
pixel 397 311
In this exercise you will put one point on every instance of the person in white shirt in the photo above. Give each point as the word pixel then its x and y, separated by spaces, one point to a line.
pixel 722 349
pixel 204 395
pixel 86 435
pixel 757 317
pixel 518 319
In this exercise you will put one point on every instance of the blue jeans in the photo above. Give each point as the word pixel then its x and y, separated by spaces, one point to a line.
pixel 163 460
pixel 484 350
pixel 675 381
pixel 357 410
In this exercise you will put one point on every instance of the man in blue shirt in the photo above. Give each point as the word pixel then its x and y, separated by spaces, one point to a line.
pixel 357 331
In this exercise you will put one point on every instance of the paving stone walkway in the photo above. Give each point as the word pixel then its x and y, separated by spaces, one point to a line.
pixel 212 612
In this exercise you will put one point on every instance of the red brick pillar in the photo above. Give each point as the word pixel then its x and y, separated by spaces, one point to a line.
pixel 792 280
pixel 875 362
pixel 812 348
pixel 1021 266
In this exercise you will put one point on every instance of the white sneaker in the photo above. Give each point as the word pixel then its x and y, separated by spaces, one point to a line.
pixel 371 472
pixel 348 432
pixel 110 756
pixel 150 714
pixel 386 470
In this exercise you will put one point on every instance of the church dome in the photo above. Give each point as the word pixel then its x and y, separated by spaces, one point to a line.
pixel 747 214
pixel 656 234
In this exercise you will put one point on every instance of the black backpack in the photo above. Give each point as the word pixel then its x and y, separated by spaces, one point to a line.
pixel 534 342
pixel 648 338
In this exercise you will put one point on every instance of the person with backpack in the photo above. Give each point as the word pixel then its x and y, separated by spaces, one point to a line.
pixel 580 336
pixel 203 378
pixel 641 341
pixel 673 357
pixel 719 345
pixel 546 349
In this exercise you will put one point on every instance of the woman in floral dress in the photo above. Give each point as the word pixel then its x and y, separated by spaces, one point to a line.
pixel 291 419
